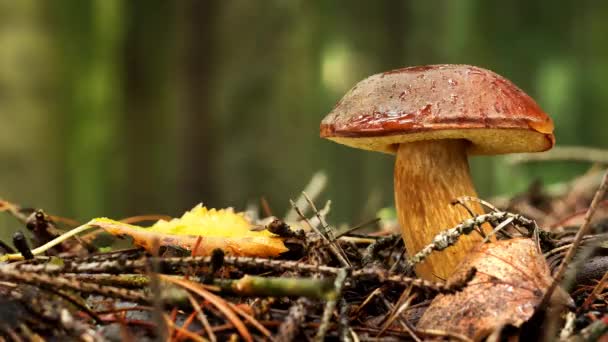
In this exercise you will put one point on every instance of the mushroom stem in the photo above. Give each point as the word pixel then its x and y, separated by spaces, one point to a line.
pixel 429 175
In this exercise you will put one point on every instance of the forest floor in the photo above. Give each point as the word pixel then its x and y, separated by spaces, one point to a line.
pixel 545 277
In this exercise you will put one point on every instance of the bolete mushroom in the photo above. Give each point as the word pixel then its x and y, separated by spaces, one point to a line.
pixel 432 117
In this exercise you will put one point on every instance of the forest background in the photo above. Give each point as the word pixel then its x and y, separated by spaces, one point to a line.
pixel 117 108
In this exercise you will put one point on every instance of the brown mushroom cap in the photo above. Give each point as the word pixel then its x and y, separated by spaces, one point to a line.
pixel 439 102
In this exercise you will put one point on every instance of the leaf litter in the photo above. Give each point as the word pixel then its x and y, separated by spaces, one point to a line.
pixel 217 271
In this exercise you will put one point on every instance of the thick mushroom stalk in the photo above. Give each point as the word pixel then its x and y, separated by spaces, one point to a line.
pixel 429 175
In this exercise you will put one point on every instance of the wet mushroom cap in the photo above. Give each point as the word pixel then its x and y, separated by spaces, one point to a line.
pixel 439 102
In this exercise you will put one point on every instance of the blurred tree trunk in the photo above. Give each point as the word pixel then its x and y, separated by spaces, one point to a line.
pixel 29 147
pixel 269 95
pixel 592 52
pixel 148 133
pixel 93 166
pixel 197 139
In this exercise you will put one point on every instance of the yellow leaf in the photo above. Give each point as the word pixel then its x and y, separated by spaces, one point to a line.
pixel 222 229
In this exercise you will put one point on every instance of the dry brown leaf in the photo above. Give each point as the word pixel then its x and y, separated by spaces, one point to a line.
pixel 511 278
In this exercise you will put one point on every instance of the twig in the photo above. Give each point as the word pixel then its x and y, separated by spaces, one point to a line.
pixel 583 230
pixel 498 228
pixel 577 213
pixel 13 209
pixel 332 245
pixel 324 226
pixel 279 287
pixel 596 291
pixel 139 265
pixel 216 301
pixel 593 331
pixel 395 265
pixel 449 237
pixel 121 266
pixel 190 335
pixel 486 204
pixel 251 321
pixel 343 322
pixel 62 283
pixel 202 318
pixel 368 299
pixel 374 248
pixel 404 302
pixel 157 296
pixel 327 230
pixel 331 305
pixel 314 188
pixel 568 326
pixel 20 243
pixel 463 204
pixel 50 244
pixel 358 226
pixel 290 328
pixel 565 153
pixel 316 220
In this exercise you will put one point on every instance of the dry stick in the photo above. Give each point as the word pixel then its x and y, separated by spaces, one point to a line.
pixel 314 188
pixel 478 200
pixel 367 300
pixel 323 213
pixel 202 318
pixel 290 328
pixel 404 323
pixel 396 263
pixel 139 265
pixel 478 229
pixel 568 326
pixel 372 251
pixel 190 335
pixel 61 283
pixel 156 292
pixel 332 245
pixel 596 291
pixel 391 315
pixel 50 244
pixel 586 240
pixel 592 332
pixel 583 230
pixel 252 320
pixel 326 229
pixel 449 237
pixel 107 266
pixel 497 229
pixel 331 305
pixel 358 226
pixel 395 313
pixel 577 213
pixel 216 301
pixel 565 153
pixel 345 332
pixel 13 209
pixel 278 287
pixel 80 304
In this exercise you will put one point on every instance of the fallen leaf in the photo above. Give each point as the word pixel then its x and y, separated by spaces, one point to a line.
pixel 511 278
pixel 223 229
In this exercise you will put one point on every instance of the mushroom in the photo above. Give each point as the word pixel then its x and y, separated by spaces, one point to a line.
pixel 432 117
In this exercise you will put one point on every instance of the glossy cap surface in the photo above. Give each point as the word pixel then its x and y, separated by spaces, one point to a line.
pixel 439 102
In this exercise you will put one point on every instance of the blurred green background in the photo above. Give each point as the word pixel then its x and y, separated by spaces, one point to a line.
pixel 117 108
